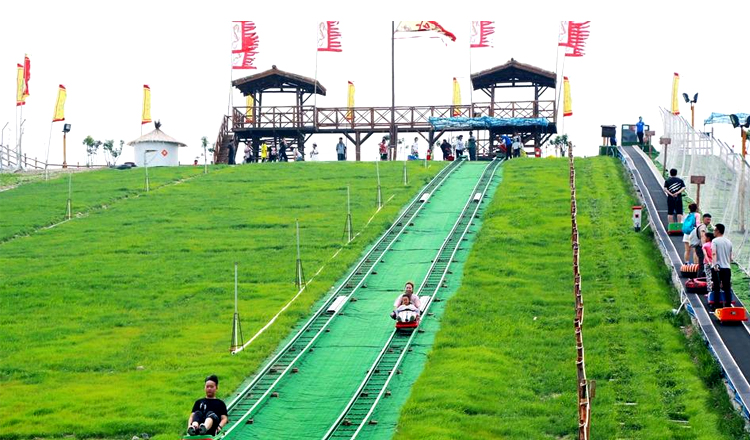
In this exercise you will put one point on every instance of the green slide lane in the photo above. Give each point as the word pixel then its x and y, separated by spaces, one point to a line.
pixel 387 412
pixel 309 401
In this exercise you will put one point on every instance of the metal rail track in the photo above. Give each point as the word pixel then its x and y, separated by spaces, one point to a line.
pixel 372 389
pixel 244 404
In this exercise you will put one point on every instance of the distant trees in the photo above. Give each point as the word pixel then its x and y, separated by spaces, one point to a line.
pixel 112 152
pixel 92 146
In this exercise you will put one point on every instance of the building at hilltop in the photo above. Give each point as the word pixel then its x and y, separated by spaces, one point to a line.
pixel 157 149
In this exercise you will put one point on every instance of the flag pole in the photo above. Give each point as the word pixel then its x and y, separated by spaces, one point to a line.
pixel 16 133
pixel 19 165
pixel 471 89
pixel 46 161
pixel 315 93
pixel 231 67
pixel 393 89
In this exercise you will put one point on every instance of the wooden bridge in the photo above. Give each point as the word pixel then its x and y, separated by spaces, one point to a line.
pixel 295 124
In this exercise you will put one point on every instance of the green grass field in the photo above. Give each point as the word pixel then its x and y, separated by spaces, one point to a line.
pixel 37 203
pixel 503 365
pixel 111 321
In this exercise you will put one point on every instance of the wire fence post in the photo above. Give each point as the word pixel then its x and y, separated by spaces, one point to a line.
pixel 380 194
pixel 69 205
pixel 299 277
pixel 348 230
pixel 237 339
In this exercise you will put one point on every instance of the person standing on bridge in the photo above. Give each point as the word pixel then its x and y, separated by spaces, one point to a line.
pixel 341 149
pixel 472 146
pixel 721 248
pixel 209 415
pixel 639 130
pixel 674 187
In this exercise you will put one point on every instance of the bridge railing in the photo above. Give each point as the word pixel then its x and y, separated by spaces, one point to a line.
pixel 414 117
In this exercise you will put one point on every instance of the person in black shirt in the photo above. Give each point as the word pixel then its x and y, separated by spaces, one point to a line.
pixel 209 415
pixel 674 187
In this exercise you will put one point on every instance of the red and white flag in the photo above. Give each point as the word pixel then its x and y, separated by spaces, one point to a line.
pixel 329 36
pixel 573 36
pixel 26 75
pixel 244 44
pixel 480 33
pixel 425 26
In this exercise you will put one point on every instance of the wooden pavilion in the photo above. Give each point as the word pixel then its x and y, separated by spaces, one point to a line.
pixel 296 123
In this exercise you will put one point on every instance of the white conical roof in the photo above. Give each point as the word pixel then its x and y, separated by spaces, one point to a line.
pixel 157 136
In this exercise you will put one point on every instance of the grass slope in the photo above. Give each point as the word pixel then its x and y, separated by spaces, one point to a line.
pixel 39 203
pixel 149 283
pixel 503 365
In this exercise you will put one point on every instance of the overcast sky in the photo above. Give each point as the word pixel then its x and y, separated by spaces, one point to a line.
pixel 103 54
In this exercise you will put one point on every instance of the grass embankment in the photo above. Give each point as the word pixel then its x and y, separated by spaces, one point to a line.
pixel 41 203
pixel 110 322
pixel 503 365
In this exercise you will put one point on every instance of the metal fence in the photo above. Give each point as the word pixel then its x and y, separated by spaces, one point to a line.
pixel 726 192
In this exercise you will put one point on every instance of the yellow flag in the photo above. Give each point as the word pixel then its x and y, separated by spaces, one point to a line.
pixel 249 101
pixel 567 102
pixel 146 117
pixel 675 94
pixel 456 98
pixel 62 94
pixel 350 103
pixel 20 97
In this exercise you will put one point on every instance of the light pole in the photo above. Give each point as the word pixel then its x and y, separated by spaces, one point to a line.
pixel 743 132
pixel 66 129
pixel 692 107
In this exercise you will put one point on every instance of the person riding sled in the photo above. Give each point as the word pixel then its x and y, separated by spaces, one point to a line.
pixel 209 414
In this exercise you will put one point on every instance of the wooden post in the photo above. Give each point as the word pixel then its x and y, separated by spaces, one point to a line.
pixel 357 145
pixel 698 180
pixel 65 163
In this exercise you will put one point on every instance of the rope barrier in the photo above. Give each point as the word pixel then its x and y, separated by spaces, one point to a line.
pixel 584 391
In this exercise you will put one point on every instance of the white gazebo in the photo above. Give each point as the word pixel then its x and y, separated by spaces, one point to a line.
pixel 157 148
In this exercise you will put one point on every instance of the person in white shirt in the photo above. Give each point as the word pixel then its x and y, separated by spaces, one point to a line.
pixel 517 146
pixel 413 300
pixel 415 148
pixel 460 147
pixel 721 250
pixel 314 152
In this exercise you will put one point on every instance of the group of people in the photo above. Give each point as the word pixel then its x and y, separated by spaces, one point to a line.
pixel 705 244
pixel 272 153
pixel 407 307
pixel 509 147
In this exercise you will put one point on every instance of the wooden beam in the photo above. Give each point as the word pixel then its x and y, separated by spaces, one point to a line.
pixel 367 136
pixel 357 147
pixel 350 138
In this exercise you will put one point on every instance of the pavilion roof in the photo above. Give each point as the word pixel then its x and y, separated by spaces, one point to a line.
pixel 275 78
pixel 514 73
